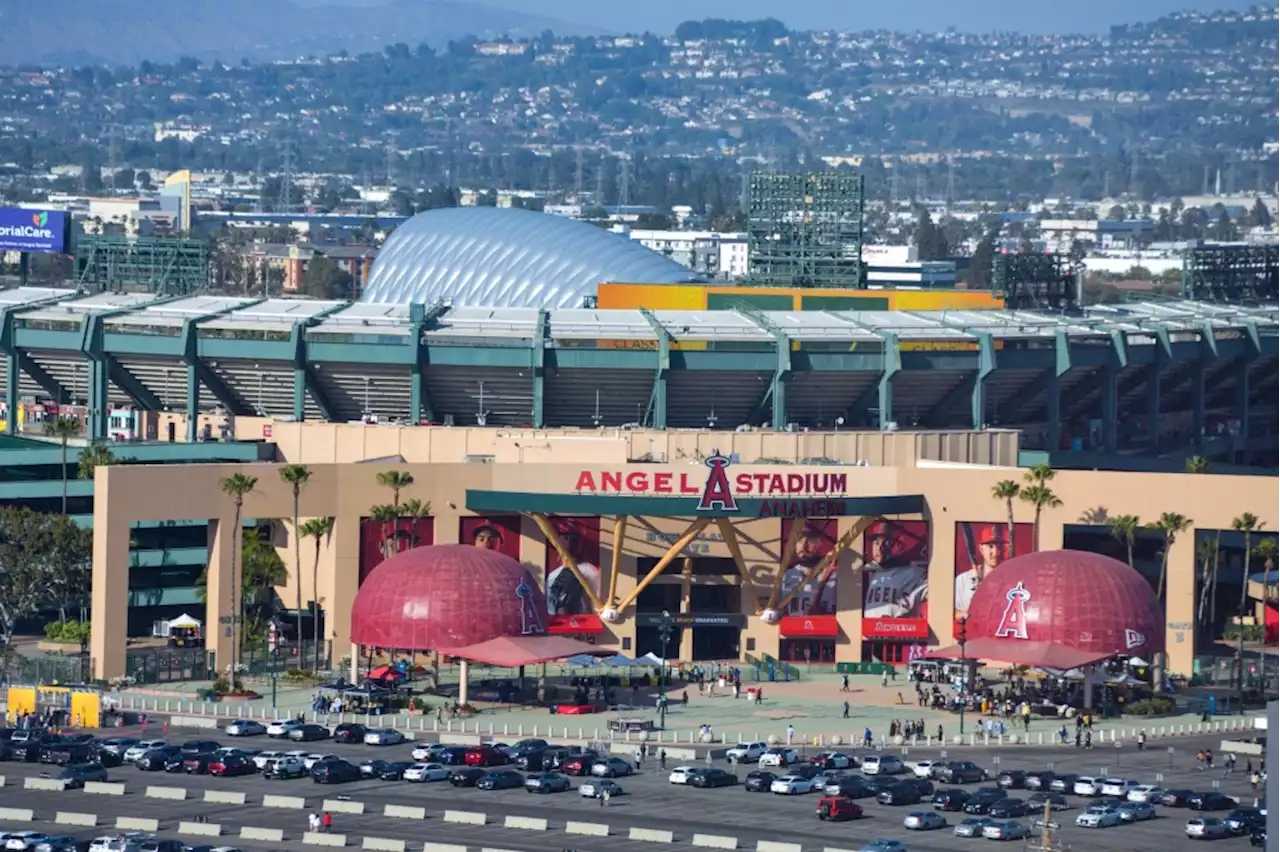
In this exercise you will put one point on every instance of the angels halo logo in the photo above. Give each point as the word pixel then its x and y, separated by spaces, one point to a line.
pixel 717 494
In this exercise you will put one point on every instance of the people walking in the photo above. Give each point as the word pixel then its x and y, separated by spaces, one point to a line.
pixel 662 758
pixel 846 710
pixel 791 734
pixel 326 822
pixel 1142 740
pixel 844 684
pixel 313 822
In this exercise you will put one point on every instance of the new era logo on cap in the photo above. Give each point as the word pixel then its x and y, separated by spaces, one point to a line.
pixel 1133 639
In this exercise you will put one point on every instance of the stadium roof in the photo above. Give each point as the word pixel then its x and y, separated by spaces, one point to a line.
pixel 508 258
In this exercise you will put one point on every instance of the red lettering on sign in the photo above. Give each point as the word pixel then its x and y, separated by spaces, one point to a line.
pixel 637 482
pixel 610 481
pixel 586 482
pixel 687 487
pixel 662 483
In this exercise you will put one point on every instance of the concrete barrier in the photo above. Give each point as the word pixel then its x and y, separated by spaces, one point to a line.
pixel 652 835
pixel 383 844
pixel 17 815
pixel 177 794
pixel 715 841
pixel 443 847
pixel 772 846
pixel 2 782
pixel 104 788
pixel 207 722
pixel 404 812
pixel 526 823
pixel 589 829
pixel 270 835
pixel 79 820
pixel 319 838
pixel 49 784
pixel 200 829
pixel 293 803
pixel 465 817
pixel 338 806
pixel 223 797
pixel 137 824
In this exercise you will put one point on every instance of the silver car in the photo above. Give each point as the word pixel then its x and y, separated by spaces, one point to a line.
pixel 611 767
pixel 972 826
pixel 1136 812
pixel 1206 828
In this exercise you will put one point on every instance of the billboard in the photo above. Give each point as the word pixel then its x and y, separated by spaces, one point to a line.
pixel 895 584
pixel 813 544
pixel 33 230
pixel 565 596
pixel 381 540
pixel 980 548
pixel 495 532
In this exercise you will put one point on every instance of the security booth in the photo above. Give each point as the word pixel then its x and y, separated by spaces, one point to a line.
pixel 59 706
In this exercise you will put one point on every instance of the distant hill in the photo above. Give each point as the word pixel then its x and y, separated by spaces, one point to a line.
pixel 80 32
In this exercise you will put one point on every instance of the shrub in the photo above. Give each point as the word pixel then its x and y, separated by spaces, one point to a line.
pixel 71 632
pixel 1151 707
pixel 221 685
pixel 300 676
pixel 1252 632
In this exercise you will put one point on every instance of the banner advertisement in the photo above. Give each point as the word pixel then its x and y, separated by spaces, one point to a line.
pixel 495 532
pixel 32 230
pixel 569 608
pixel 814 543
pixel 380 540
pixel 895 585
pixel 980 548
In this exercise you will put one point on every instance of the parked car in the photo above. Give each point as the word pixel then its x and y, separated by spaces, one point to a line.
pixel 981 800
pixel 1176 798
pixel 832 760
pixel 284 767
pixel 1136 812
pixel 335 772
pixel 961 772
pixel 1099 816
pixel 611 767
pixel 1056 801
pixel 923 786
pixel 394 771
pixel 899 794
pixel 747 752
pixel 1245 820
pixel 155 759
pixel 526 746
pixel 420 772
pixel 1012 779
pixel 502 779
pixel 78 773
pixel 452 756
pixel 428 752
pixel 680 775
pixel 21 841
pixel 281 728
pixel 349 732
pixel 758 781
pixel 708 778
pixel 117 745
pixel 1087 785
pixel 926 768
pixel 950 799
pixel 1145 793
pixel 231 765
pixel 485 755
pixel 383 737
pixel 135 752
pixel 852 787
pixel 467 777
pixel 884 845
pixel 547 782
pixel 791 785
pixel 1008 809
pixel 838 809
pixel 194 747
pixel 882 764
pixel 309 733
pixel 1117 786
pixel 245 728
pixel 779 756
pixel 924 821
pixel 1005 830
pixel 972 826
pixel 577 765
pixel 197 764
pixel 596 787
pixel 1211 801
pixel 1064 783
pixel 1206 828
pixel 1039 780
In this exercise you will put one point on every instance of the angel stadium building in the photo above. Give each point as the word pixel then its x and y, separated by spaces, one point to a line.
pixel 798 473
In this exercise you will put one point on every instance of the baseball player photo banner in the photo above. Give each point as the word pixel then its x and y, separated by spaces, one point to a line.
pixel 980 548
pixel 814 543
pixel 895 580
pixel 495 532
pixel 569 609
pixel 380 540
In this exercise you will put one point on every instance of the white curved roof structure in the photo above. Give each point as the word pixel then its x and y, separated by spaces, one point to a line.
pixel 471 256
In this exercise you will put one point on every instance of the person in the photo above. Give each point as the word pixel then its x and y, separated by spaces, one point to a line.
pixel 639 759
pixel 844 684
pixel 487 537
pixel 791 734
pixel 313 822
pixel 818 596
pixel 1229 764
pixel 565 595
pixel 326 822
pixel 866 738
pixel 1088 737
pixel 1142 740
pixel 940 734
pixel 846 710
pixel 604 798
pixel 993 548
pixel 662 758
pixel 895 588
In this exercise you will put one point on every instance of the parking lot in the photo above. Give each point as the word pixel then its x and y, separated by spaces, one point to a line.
pixel 650 803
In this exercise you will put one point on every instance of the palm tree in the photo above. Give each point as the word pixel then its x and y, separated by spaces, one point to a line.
pixel 1206 550
pixel 388 516
pixel 1172 525
pixel 397 481
pixel 1041 497
pixel 296 476
pixel 414 509
pixel 318 529
pixel 1266 550
pixel 1247 524
pixel 1007 490
pixel 236 486
pixel 94 456
pixel 1196 464
pixel 64 427
pixel 1123 528
pixel 1040 474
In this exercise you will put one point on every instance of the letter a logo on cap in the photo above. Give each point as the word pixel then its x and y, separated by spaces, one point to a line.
pixel 1013 624
pixel 1133 639
pixel 717 495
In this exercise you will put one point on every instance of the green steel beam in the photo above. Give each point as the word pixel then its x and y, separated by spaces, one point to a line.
pixel 777 390
pixel 16 361
pixel 1163 356
pixel 422 318
pixel 92 330
pixel 892 366
pixel 199 373
pixel 51 386
pixel 131 385
pixel 862 402
pixel 537 362
pixel 986 366
pixel 656 414
pixel 1061 366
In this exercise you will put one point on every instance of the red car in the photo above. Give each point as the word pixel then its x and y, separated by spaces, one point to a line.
pixel 577 765
pixel 485 756
pixel 233 764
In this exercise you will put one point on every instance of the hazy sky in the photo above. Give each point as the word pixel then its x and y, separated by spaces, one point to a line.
pixel 1037 16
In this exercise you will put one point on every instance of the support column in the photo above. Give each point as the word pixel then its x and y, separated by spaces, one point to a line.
pixel 12 370
pixel 891 366
pixel 1054 413
pixel 415 393
pixel 355 662
pixel 109 593
pixel 224 544
pixel 1197 399
pixel 1109 441
pixel 193 402
pixel 686 606
pixel 986 366
pixel 97 401
pixel 1153 403
pixel 464 674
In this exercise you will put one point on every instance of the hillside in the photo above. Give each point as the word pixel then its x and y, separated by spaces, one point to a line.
pixel 77 32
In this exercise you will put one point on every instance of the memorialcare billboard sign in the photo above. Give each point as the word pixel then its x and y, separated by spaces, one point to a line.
pixel 380 540
pixel 813 544
pixel 980 549
pixel 33 230
pixel 895 580
pixel 569 608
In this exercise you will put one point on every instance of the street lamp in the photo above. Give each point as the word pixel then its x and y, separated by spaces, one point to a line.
pixel 664 633
pixel 962 636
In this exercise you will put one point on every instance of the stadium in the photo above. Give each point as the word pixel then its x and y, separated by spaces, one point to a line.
pixel 799 480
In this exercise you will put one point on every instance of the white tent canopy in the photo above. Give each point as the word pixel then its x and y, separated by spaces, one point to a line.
pixel 649 659
pixel 183 622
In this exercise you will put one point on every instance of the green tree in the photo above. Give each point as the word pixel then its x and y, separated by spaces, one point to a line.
pixel 397 481
pixel 387 515
pixel 320 530
pixel 64 427
pixel 1196 464
pixel 236 487
pixel 1037 492
pixel 1207 554
pixel 931 242
pixel 44 561
pixel 325 279
pixel 1260 216
pixel 96 455
pixel 414 509
pixel 983 260
pixel 1266 551
pixel 1246 524
pixel 1007 490
pixel 1124 528
pixel 1171 525
pixel 296 477
pixel 262 570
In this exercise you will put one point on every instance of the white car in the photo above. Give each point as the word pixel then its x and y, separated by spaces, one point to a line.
pixel 779 756
pixel 1117 786
pixel 21 841
pixel 285 766
pixel 924 821
pixel 1099 816
pixel 1005 830
pixel 422 752
pixel 882 764
pixel 1087 785
pixel 747 752
pixel 383 737
pixel 1144 793
pixel 833 760
pixel 680 775
pixel 926 768
pixel 262 758
pixel 1206 828
pixel 972 826
pixel 426 772
pixel 135 752
pixel 596 787
pixel 245 728
pixel 311 760
pixel 281 728
pixel 791 785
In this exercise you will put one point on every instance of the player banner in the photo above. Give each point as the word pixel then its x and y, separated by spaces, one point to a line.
pixel 567 600
pixel 814 543
pixel 380 540
pixel 496 532
pixel 895 584
pixel 980 548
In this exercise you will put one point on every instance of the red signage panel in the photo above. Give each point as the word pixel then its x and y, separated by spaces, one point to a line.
pixel 817 626
pixel 895 628
pixel 574 625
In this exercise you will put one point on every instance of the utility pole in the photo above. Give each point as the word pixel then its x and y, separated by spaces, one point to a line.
pixel 113 153
pixel 285 202
pixel 257 181
pixel 895 181
pixel 391 167
pixel 599 199
pixel 624 180
pixel 951 182
pixel 577 173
